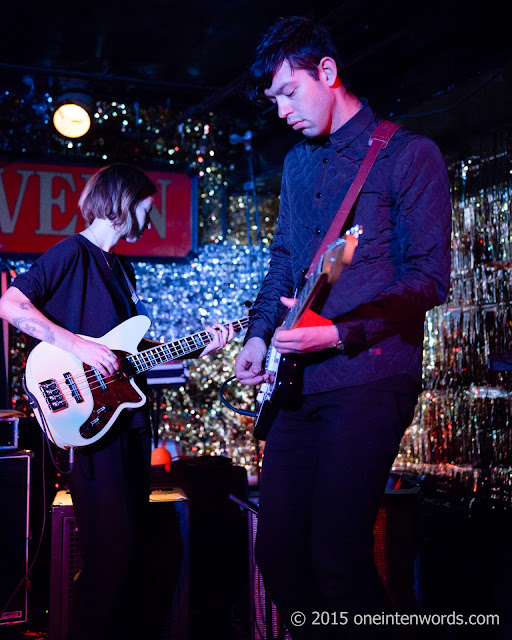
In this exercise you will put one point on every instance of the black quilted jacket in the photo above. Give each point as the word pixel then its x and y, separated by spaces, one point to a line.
pixel 400 269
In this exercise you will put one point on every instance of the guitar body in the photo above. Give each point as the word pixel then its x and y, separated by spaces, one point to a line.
pixel 285 389
pixel 283 393
pixel 75 404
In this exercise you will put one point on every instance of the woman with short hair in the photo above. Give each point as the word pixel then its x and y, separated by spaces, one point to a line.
pixel 81 286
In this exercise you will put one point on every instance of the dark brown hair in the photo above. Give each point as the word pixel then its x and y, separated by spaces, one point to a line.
pixel 113 192
pixel 301 42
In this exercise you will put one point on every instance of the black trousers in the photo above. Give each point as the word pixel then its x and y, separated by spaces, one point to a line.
pixel 110 490
pixel 325 469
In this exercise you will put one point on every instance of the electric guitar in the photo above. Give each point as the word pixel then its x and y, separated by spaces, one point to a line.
pixel 75 404
pixel 281 390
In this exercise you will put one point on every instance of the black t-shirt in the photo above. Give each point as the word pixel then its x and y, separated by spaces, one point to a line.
pixel 75 288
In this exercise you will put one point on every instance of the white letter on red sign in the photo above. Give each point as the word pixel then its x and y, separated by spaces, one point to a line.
pixel 47 201
pixel 158 219
pixel 8 222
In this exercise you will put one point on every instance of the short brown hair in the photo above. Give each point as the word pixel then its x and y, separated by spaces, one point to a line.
pixel 113 192
pixel 300 41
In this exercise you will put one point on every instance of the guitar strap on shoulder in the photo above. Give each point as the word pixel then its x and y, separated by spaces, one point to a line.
pixel 378 140
pixel 139 305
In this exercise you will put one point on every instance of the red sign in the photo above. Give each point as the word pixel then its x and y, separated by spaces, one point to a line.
pixel 38 207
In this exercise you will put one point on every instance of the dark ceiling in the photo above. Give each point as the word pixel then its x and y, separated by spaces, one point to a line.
pixel 443 67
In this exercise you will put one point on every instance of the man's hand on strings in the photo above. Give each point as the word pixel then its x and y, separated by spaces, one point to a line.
pixel 250 362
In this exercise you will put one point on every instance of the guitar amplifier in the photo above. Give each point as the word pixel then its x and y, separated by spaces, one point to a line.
pixel 397 545
pixel 5 359
pixel 14 534
pixel 264 618
pixel 396 552
pixel 9 429
pixel 168 613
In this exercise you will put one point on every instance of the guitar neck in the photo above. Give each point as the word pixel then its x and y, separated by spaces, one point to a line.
pixel 327 270
pixel 304 299
pixel 145 360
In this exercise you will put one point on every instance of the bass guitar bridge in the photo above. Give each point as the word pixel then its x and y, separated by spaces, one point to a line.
pixel 53 395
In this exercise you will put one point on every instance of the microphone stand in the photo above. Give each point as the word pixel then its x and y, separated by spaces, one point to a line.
pixel 250 190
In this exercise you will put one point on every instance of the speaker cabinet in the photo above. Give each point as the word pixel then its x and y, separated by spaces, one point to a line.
pixel 167 609
pixel 9 431
pixel 397 545
pixel 5 377
pixel 264 618
pixel 396 552
pixel 14 534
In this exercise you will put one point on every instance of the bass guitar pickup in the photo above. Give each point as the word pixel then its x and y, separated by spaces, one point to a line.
pixel 53 395
pixel 73 388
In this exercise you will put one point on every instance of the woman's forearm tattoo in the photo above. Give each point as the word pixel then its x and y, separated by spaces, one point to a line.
pixel 37 328
pixel 26 305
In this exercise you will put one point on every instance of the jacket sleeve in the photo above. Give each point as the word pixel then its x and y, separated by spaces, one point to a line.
pixel 266 312
pixel 422 197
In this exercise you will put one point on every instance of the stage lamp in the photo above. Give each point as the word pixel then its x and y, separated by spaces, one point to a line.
pixel 71 117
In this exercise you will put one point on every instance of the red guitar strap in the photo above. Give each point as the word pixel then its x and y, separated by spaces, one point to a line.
pixel 378 140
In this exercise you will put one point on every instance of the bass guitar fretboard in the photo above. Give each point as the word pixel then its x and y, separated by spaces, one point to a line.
pixel 163 353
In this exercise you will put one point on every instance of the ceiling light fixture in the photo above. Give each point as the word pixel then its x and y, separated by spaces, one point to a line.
pixel 71 117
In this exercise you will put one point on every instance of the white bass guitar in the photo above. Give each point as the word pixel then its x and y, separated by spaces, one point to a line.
pixel 75 404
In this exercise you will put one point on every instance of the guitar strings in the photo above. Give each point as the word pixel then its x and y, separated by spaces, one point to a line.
pixel 175 352
pixel 143 359
pixel 81 381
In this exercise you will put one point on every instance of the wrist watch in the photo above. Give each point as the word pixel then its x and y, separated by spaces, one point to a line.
pixel 339 346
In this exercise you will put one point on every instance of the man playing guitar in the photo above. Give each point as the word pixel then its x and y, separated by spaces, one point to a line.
pixel 327 458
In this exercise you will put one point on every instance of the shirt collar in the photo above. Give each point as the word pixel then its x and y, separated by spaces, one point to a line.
pixel 348 132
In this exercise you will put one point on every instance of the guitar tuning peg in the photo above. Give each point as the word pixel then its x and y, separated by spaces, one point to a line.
pixel 355 231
